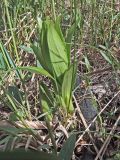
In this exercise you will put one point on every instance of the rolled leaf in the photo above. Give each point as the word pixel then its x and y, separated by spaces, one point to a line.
pixel 67 86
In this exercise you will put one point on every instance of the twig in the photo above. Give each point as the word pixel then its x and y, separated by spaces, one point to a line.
pixel 31 124
pixel 28 142
pixel 107 141
pixel 99 71
pixel 87 129
pixel 85 124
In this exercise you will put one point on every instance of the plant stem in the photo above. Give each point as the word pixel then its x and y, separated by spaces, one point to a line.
pixel 74 61
pixel 49 129
pixel 53 9
pixel 10 25
pixel 51 135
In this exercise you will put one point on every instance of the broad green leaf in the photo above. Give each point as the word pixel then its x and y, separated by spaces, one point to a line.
pixel 67 86
pixel 57 50
pixel 41 48
pixel 67 149
pixel 46 100
pixel 45 49
pixel 29 155
pixel 58 29
pixel 36 70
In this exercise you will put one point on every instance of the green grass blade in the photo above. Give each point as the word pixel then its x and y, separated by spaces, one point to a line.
pixel 11 29
pixel 9 62
pixel 2 62
pixel 106 57
pixel 69 36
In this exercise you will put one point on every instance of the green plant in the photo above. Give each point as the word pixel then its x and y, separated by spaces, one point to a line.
pixel 96 29
pixel 53 53
pixel 14 95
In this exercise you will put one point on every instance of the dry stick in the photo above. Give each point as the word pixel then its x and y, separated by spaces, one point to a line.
pixel 36 125
pixel 85 124
pixel 28 142
pixel 110 136
pixel 87 129
pixel 107 141
pixel 17 27
pixel 99 71
pixel 8 41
